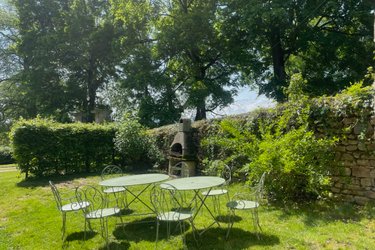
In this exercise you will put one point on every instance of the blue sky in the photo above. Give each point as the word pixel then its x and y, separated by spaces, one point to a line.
pixel 245 101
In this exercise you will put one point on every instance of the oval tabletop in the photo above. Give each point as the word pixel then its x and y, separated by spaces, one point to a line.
pixel 133 180
pixel 194 183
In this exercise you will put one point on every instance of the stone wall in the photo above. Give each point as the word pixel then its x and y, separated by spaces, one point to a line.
pixel 356 154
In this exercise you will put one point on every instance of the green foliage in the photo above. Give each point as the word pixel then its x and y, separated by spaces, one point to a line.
pixel 328 42
pixel 355 102
pixel 6 155
pixel 134 144
pixel 297 162
pixel 44 147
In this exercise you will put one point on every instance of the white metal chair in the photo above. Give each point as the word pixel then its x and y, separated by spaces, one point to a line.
pixel 180 169
pixel 119 193
pixel 97 209
pixel 247 201
pixel 66 205
pixel 169 207
pixel 226 173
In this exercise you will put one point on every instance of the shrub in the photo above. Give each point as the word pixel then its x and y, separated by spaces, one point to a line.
pixel 297 162
pixel 44 147
pixel 134 144
pixel 6 155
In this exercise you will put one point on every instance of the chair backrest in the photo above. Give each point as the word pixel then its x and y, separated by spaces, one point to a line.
pixel 180 169
pixel 227 174
pixel 93 196
pixel 260 186
pixel 56 195
pixel 165 198
pixel 111 171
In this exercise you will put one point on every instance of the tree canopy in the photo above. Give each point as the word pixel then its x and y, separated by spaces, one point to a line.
pixel 158 58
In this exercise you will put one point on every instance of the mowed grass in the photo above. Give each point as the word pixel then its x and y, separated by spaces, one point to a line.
pixel 29 220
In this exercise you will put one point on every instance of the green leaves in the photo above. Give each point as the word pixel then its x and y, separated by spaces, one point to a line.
pixel 44 147
pixel 134 144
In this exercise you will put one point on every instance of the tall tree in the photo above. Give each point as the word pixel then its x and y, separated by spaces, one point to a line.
pixel 184 49
pixel 143 85
pixel 89 52
pixel 328 41
pixel 68 53
pixel 190 44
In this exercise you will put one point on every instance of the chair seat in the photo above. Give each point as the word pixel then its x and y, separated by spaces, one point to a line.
pixel 215 192
pixel 101 213
pixel 75 206
pixel 174 216
pixel 242 204
pixel 114 190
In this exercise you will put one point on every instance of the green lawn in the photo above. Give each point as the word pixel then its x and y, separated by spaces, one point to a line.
pixel 30 220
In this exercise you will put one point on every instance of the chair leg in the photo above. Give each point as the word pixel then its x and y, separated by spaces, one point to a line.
pixel 231 221
pixel 104 230
pixel 157 233
pixel 84 232
pixel 63 225
pixel 256 223
pixel 193 229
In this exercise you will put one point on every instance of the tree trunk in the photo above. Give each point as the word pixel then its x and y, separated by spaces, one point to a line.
pixel 278 60
pixel 91 92
pixel 201 111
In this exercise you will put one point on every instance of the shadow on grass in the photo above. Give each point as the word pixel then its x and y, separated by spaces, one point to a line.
pixel 33 182
pixel 126 211
pixel 145 230
pixel 91 234
pixel 326 211
pixel 228 218
pixel 214 238
pixel 80 236
pixel 116 245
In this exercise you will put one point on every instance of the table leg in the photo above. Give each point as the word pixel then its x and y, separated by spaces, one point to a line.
pixel 203 203
pixel 137 197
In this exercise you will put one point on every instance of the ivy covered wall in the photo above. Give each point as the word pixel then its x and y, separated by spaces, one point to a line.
pixel 346 121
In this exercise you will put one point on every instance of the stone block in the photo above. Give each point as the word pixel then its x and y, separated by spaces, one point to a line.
pixel 372 121
pixel 353 188
pixel 367 182
pixel 352 142
pixel 340 148
pixel 372 173
pixel 360 172
pixel 357 155
pixel 349 163
pixel 372 163
pixel 335 190
pixel 347 157
pixel 363 162
pixel 351 136
pixel 370 194
pixel 361 200
pixel 351 148
pixel 347 171
pixel 371 147
pixel 362 146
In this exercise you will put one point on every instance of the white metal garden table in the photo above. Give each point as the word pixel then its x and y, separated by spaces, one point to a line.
pixel 196 184
pixel 135 180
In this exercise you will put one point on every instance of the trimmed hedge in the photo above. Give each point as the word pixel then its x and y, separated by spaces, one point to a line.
pixel 6 155
pixel 43 147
